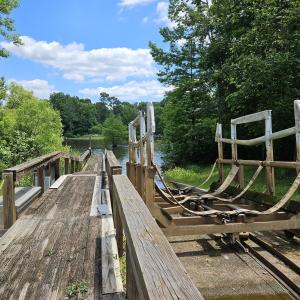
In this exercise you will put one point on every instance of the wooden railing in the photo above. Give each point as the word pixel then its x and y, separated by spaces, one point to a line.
pixel 153 271
pixel 39 167
pixel 266 139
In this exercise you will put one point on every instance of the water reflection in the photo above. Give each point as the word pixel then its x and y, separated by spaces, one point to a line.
pixel 121 152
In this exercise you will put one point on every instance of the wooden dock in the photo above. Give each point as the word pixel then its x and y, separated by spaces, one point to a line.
pixel 55 245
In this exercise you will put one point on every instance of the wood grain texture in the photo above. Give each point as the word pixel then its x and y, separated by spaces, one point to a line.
pixel 157 270
pixel 54 243
pixel 111 275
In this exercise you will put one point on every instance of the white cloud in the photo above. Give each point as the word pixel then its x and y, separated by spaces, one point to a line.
pixel 162 9
pixel 132 90
pixel 76 63
pixel 40 88
pixel 131 3
pixel 145 20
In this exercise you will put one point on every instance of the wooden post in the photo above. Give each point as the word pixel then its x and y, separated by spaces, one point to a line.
pixel 56 169
pixel 149 187
pixel 66 165
pixel 241 177
pixel 131 287
pixel 41 178
pixel 72 166
pixel 219 135
pixel 9 206
pixel 116 214
pixel 90 146
pixel 142 155
pixel 138 178
pixel 77 166
pixel 269 154
pixel 297 127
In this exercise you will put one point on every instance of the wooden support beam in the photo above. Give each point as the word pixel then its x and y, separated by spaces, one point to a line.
pixel 270 178
pixel 131 286
pixel 139 179
pixel 219 134
pixel 149 186
pixel 57 169
pixel 66 165
pixel 292 223
pixel 41 178
pixel 9 206
pixel 72 165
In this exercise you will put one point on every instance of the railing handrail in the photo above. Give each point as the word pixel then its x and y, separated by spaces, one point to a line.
pixel 153 261
pixel 153 269
pixel 32 164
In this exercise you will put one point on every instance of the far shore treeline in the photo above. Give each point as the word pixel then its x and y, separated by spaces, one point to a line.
pixel 222 58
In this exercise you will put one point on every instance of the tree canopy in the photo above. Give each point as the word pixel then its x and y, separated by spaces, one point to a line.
pixel 29 127
pixel 226 58
pixel 7 28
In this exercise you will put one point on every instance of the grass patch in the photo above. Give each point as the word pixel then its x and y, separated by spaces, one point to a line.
pixel 76 289
pixel 195 175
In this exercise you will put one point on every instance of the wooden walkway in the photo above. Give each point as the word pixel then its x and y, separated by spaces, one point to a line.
pixel 55 245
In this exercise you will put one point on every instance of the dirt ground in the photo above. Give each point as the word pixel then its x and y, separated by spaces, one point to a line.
pixel 220 272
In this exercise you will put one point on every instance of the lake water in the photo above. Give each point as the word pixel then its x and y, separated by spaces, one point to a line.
pixel 121 152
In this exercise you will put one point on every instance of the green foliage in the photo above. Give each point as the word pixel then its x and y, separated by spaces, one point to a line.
pixel 3 89
pixel 29 127
pixel 78 115
pixel 76 289
pixel 97 129
pixel 7 25
pixel 18 96
pixel 114 131
pixel 227 58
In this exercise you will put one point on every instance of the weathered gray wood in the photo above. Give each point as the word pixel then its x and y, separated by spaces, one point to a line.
pixel 111 276
pixel 56 169
pixel 41 178
pixel 25 167
pixel 293 223
pixel 259 140
pixel 58 182
pixel 96 200
pixel 53 244
pixel 157 270
pixel 66 165
pixel 9 207
pixel 72 166
pixel 259 116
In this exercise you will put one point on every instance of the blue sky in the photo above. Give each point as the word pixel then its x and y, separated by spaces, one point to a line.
pixel 84 47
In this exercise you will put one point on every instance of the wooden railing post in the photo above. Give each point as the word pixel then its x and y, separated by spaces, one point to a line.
pixel 66 165
pixel 56 169
pixel 41 178
pixel 131 287
pixel 269 155
pixel 9 206
pixel 149 186
pixel 219 135
pixel 72 165
pixel 113 168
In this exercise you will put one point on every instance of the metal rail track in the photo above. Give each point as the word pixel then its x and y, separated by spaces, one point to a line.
pixel 294 288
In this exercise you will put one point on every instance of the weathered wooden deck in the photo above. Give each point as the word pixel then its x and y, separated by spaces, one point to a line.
pixel 55 243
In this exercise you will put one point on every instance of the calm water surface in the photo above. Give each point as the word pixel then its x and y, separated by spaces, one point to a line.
pixel 121 152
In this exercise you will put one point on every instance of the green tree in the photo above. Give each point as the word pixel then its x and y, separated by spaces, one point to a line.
pixel 29 127
pixel 189 105
pixel 226 59
pixel 78 115
pixel 3 89
pixel 7 29
pixel 114 131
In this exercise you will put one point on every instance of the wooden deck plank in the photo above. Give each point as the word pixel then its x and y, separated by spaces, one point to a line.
pixel 53 244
